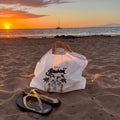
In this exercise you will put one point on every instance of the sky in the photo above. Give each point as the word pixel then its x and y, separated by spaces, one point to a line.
pixel 27 14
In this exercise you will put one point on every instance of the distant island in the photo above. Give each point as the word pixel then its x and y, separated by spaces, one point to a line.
pixel 108 25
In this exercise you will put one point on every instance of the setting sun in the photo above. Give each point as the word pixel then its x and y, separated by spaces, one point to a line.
pixel 6 27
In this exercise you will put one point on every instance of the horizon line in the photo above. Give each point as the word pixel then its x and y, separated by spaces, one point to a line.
pixel 61 27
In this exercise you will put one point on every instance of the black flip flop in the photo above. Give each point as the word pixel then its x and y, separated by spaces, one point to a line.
pixel 50 100
pixel 31 103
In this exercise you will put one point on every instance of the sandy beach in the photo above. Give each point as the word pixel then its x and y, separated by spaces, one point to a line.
pixel 99 101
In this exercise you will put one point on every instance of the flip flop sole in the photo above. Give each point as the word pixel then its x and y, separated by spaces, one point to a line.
pixel 46 109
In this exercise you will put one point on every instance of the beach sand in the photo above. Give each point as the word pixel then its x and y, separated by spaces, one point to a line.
pixel 99 101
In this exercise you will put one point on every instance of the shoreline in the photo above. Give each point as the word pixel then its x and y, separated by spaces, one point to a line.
pixel 60 36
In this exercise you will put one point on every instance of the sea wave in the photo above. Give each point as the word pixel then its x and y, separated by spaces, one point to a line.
pixel 51 33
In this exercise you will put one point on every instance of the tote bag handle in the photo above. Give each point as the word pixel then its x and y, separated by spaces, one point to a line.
pixel 66 46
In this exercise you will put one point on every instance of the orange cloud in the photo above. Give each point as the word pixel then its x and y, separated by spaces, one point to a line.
pixel 17 14
pixel 33 3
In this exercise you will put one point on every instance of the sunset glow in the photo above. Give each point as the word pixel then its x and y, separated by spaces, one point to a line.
pixel 50 14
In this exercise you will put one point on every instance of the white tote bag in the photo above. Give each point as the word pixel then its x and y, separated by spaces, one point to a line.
pixel 60 72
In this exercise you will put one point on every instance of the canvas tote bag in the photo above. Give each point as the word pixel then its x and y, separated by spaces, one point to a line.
pixel 60 72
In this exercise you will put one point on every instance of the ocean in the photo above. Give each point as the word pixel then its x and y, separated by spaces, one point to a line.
pixel 39 33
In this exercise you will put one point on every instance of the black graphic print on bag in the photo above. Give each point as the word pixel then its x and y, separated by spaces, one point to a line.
pixel 55 78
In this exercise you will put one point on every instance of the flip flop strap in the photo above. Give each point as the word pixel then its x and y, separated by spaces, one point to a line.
pixel 36 94
pixel 31 95
pixel 43 97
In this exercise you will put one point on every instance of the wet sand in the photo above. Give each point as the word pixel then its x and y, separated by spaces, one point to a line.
pixel 99 101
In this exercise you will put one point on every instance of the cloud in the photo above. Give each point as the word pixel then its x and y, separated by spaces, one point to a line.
pixel 33 3
pixel 18 9
pixel 17 14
